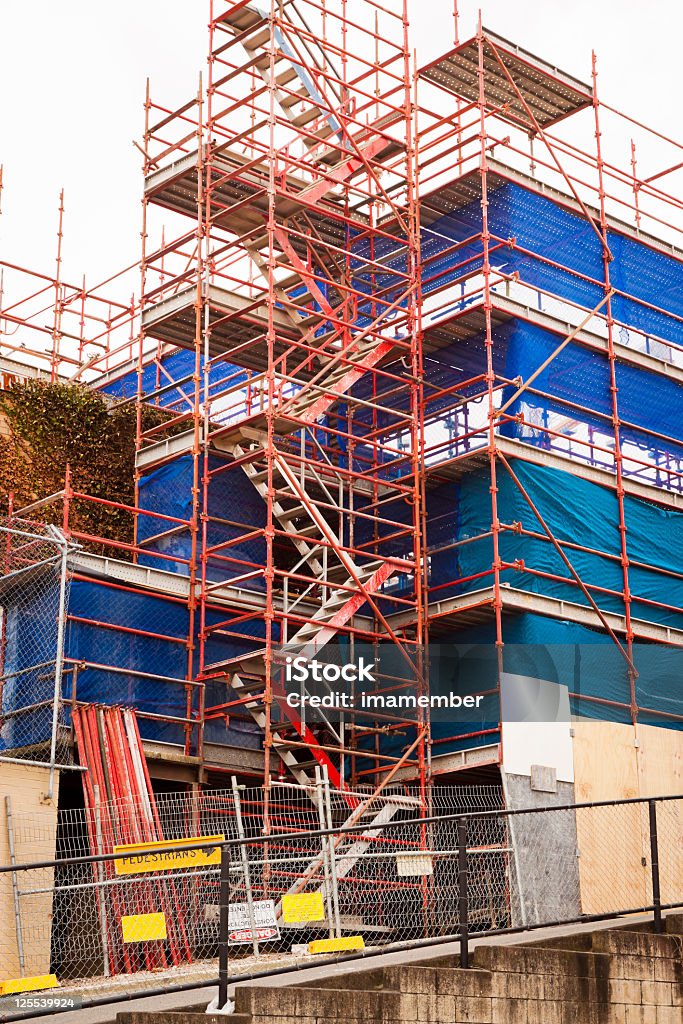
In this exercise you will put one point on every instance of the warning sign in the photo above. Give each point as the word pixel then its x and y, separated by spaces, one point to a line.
pixel 303 907
pixel 143 857
pixel 143 927
pixel 261 935
pixel 265 920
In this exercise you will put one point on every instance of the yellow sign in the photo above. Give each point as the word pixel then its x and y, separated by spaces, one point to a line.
pixel 346 944
pixel 143 927
pixel 40 981
pixel 142 857
pixel 305 906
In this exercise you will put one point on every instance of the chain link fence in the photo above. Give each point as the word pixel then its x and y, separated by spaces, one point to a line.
pixel 34 593
pixel 136 918
pixel 68 917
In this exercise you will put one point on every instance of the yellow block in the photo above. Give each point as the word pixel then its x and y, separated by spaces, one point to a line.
pixel 142 857
pixel 40 981
pixel 302 907
pixel 143 927
pixel 345 945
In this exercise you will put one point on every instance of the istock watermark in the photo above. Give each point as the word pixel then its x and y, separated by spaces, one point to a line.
pixel 336 681
pixel 470 683
pixel 301 670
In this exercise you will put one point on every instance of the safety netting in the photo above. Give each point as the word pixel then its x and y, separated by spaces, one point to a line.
pixel 558 250
pixel 586 664
pixel 568 407
pixel 176 367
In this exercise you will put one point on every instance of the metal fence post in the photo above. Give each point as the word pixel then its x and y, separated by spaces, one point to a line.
pixel 15 888
pixel 102 899
pixel 324 853
pixel 463 899
pixel 224 907
pixel 332 850
pixel 59 662
pixel 654 864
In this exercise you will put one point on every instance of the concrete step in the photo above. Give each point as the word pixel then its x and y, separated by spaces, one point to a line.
pixel 192 1015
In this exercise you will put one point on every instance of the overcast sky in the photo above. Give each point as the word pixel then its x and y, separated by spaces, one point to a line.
pixel 73 74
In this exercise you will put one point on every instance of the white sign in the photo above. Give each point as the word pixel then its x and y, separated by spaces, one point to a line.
pixel 265 921
pixel 410 865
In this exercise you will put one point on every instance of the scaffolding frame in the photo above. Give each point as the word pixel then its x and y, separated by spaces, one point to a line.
pixel 290 162
pixel 299 268
pixel 55 330
pixel 501 88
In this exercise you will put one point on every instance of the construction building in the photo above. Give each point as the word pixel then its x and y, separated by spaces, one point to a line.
pixel 419 354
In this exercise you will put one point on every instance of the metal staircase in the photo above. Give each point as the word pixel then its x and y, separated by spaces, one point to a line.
pixel 367 821
pixel 293 85
pixel 346 586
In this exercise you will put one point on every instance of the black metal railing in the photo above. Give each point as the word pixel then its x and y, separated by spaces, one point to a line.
pixel 399 884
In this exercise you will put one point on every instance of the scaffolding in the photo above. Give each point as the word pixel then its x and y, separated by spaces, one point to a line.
pixel 57 330
pixel 415 335
pixel 572 296
pixel 295 285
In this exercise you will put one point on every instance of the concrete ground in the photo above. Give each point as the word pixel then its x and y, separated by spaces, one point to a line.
pixel 201 997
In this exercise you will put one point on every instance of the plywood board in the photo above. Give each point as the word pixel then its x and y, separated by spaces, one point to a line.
pixel 660 771
pixel 613 761
pixel 35 824
pixel 610 840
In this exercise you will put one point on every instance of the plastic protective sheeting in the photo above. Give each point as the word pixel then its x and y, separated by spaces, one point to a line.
pixel 233 500
pixel 587 663
pixel 176 366
pixel 593 669
pixel 572 392
pixel 163 656
pixel 549 231
pixel 578 377
pixel 30 610
pixel 577 512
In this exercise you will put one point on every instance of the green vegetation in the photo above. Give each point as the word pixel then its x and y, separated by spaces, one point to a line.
pixel 48 426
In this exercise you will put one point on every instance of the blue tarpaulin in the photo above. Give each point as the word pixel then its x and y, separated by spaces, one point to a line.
pixel 578 512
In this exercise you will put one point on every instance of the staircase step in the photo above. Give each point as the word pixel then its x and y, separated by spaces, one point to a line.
pixel 302 765
pixel 262 62
pixel 243 18
pixel 285 77
pixel 257 40
pixel 306 631
pixel 261 475
pixel 364 572
pixel 325 132
pixel 246 688
pixel 291 513
pixel 249 663
pixel 306 117
pixel 312 530
pixel 337 601
pixel 297 97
